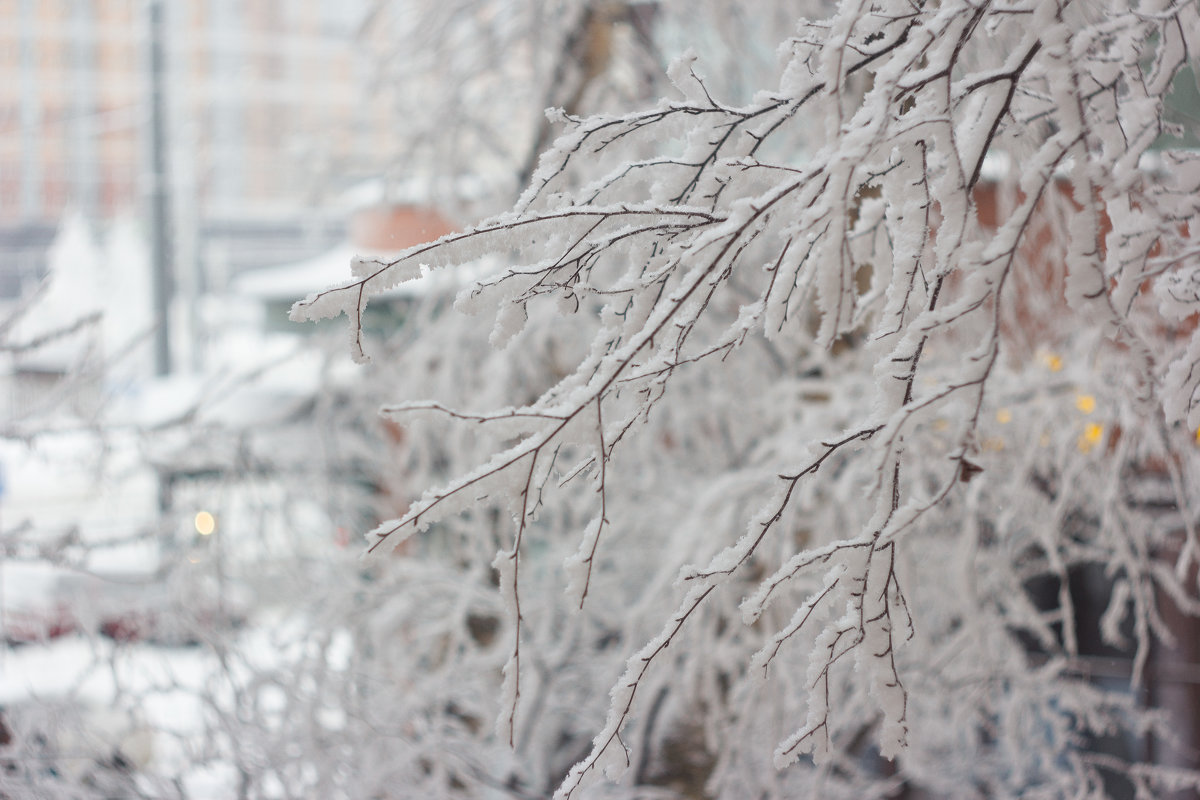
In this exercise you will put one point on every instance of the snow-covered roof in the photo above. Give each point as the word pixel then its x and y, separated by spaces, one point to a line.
pixel 415 190
pixel 295 281
pixel 290 282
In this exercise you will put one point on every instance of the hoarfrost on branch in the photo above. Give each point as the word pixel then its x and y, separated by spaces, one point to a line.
pixel 842 372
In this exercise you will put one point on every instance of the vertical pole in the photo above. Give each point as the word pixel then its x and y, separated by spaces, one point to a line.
pixel 160 208
pixel 85 175
pixel 32 156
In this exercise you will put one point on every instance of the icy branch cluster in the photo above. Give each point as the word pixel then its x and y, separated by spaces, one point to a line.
pixel 833 385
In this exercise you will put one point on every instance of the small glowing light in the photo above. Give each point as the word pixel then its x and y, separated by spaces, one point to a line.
pixel 205 523
pixel 1091 437
pixel 941 424
pixel 993 443
pixel 1197 435
pixel 1052 362
pixel 1085 403
pixel 1003 416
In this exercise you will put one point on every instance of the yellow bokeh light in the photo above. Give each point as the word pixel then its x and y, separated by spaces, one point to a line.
pixel 1085 403
pixel 1052 362
pixel 1004 416
pixel 1091 436
pixel 205 523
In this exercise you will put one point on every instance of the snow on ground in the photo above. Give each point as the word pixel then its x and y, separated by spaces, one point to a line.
pixel 80 510
pixel 155 703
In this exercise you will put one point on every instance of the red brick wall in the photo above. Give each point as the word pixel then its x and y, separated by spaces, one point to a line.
pixel 396 227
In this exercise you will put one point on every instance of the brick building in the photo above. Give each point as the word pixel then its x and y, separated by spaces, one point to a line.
pixel 262 108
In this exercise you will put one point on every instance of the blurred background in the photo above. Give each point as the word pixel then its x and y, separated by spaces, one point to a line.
pixel 205 139
pixel 185 475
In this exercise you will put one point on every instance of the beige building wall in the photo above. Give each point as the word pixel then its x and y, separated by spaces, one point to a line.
pixel 264 102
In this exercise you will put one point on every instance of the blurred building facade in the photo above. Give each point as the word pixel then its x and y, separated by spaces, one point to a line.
pixel 262 104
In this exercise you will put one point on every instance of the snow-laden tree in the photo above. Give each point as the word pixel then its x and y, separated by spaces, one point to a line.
pixel 837 430
pixel 833 441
